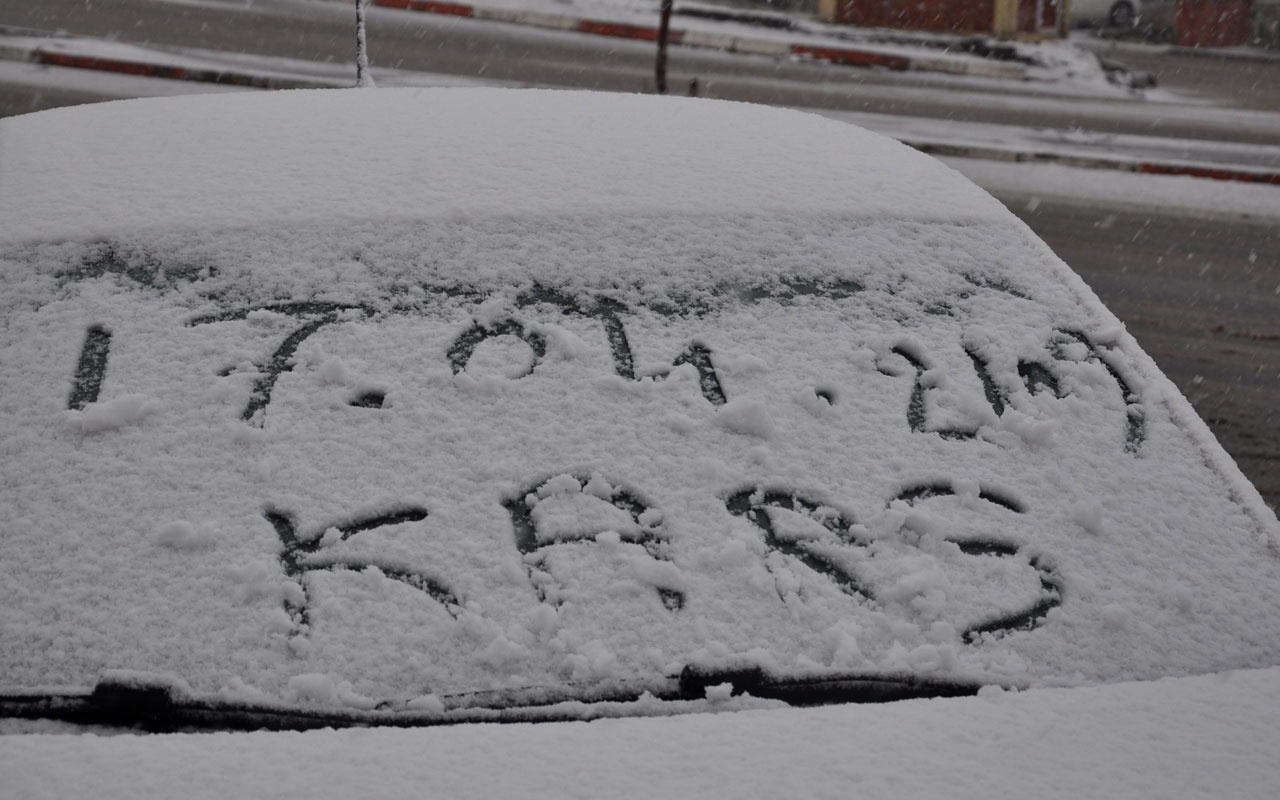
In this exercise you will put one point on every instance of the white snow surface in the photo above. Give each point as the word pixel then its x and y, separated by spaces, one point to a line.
pixel 274 69
pixel 1211 736
pixel 451 153
pixel 1179 194
pixel 360 398
pixel 105 84
pixel 1067 143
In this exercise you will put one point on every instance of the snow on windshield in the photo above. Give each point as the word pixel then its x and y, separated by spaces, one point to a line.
pixel 436 431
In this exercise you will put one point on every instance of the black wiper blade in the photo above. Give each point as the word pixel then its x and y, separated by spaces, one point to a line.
pixel 162 708
pixel 823 689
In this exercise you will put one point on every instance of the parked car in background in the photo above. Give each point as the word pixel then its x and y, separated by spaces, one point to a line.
pixel 1157 18
pixel 1156 14
pixel 409 408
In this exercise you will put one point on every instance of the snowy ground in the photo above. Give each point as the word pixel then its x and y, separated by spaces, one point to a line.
pixel 110 85
pixel 1191 196
pixel 249 69
pixel 1075 143
pixel 1067 67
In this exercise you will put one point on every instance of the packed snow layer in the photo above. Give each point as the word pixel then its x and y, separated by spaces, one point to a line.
pixel 1211 736
pixel 688 413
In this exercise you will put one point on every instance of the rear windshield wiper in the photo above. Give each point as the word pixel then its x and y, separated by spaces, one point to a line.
pixel 161 707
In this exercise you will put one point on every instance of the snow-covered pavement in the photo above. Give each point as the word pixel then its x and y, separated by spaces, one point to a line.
pixel 1077 148
pixel 67 61
pixel 1177 195
pixel 185 69
pixel 732 30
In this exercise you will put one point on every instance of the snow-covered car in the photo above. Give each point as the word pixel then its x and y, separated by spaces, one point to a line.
pixel 1154 16
pixel 411 407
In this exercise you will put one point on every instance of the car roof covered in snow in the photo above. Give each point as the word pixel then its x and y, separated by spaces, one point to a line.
pixel 447 405
pixel 201 162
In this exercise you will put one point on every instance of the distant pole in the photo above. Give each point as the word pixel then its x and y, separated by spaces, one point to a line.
pixel 660 69
pixel 363 78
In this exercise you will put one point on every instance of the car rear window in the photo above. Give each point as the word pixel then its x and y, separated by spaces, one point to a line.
pixel 446 465
pixel 569 401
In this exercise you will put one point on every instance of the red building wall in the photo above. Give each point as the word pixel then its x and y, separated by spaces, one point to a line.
pixel 925 15
pixel 953 16
pixel 1212 23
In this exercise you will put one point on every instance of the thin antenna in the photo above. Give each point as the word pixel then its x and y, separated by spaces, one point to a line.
pixel 364 79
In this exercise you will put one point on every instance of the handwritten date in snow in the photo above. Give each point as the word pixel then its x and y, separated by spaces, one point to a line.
pixel 906 360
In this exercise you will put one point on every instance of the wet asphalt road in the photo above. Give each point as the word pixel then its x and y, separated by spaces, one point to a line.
pixel 1202 298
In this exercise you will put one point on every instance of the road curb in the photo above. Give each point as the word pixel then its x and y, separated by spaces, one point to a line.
pixel 1218 172
pixel 61 57
pixel 10 52
pixel 836 54
pixel 1227 54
